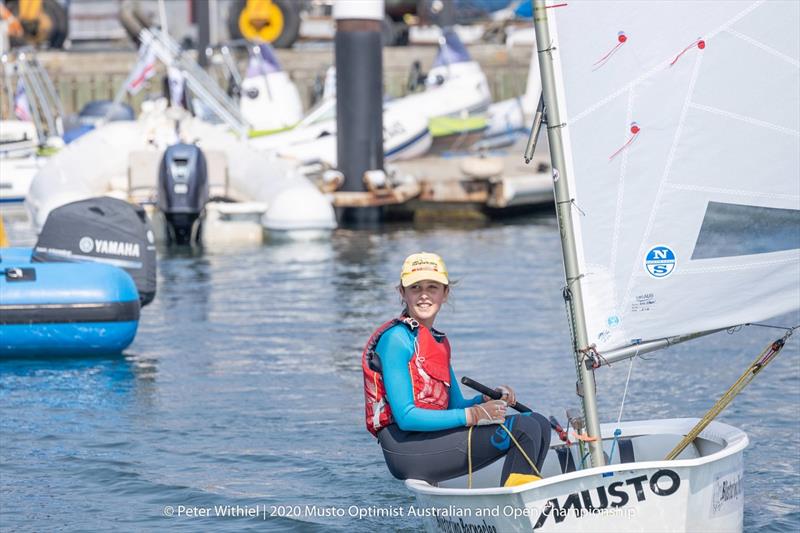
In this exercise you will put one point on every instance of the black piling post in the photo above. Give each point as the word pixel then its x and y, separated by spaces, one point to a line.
pixel 359 98
pixel 203 30
pixel 447 15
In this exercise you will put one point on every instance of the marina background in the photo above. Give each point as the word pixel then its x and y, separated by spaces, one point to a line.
pixel 83 76
pixel 243 386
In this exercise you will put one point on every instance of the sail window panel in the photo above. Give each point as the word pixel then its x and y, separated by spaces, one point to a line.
pixel 706 299
pixel 734 229
pixel 640 306
pixel 761 101
pixel 700 295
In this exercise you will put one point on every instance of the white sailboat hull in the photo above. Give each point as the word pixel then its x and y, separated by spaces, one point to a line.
pixel 700 491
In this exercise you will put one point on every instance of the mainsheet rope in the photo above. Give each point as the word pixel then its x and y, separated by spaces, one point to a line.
pixel 514 440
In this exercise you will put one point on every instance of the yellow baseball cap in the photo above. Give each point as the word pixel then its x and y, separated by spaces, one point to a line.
pixel 423 266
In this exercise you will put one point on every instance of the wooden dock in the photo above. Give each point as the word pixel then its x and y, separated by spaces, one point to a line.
pixel 468 186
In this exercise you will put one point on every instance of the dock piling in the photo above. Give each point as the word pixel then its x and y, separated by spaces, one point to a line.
pixel 359 99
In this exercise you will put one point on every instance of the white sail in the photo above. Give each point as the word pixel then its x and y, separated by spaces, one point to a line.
pixel 683 157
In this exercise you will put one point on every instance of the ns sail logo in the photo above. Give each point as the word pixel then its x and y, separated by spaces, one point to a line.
pixel 660 261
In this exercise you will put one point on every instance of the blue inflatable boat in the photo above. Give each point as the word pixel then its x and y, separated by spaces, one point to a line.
pixel 64 308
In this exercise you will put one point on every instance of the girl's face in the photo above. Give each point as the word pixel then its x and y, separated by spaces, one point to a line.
pixel 424 300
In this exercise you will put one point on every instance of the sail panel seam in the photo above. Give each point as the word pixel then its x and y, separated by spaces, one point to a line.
pixel 660 66
pixel 665 175
pixel 748 266
pixel 743 118
pixel 732 192
pixel 621 188
pixel 792 61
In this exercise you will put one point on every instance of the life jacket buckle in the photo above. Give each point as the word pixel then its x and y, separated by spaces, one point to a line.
pixel 412 322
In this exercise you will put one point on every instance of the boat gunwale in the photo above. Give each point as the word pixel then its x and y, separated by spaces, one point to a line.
pixel 733 439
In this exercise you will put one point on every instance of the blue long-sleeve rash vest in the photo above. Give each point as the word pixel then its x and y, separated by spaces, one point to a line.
pixel 395 349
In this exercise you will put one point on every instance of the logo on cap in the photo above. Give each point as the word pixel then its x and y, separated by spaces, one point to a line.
pixel 422 264
pixel 416 265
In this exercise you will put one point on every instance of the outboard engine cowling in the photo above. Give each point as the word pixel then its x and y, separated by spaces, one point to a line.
pixel 183 191
pixel 103 230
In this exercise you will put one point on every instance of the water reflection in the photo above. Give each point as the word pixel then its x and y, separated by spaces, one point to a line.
pixel 183 277
pixel 145 374
pixel 306 253
pixel 360 274
pixel 243 385
pixel 110 382
pixel 48 404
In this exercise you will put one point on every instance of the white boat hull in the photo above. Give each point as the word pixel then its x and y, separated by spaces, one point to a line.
pixel 16 174
pixel 128 169
pixel 458 90
pixel 405 136
pixel 18 160
pixel 700 491
pixel 271 101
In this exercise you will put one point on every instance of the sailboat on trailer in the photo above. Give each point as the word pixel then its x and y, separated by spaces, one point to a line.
pixel 673 131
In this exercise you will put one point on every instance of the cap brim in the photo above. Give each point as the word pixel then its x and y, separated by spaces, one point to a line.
pixel 423 275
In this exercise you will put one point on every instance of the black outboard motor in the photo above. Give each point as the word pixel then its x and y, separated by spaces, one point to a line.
pixel 104 230
pixel 183 191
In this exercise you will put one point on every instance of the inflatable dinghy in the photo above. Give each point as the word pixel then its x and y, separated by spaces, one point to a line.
pixel 80 290
pixel 49 309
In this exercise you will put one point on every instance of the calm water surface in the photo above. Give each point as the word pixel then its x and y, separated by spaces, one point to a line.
pixel 243 387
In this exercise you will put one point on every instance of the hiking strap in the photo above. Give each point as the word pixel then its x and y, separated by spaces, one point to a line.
pixel 565 459
pixel 626 451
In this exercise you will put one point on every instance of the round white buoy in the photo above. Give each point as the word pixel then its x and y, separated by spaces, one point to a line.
pixel 300 209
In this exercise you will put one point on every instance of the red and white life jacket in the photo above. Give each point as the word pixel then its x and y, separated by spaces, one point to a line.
pixel 429 369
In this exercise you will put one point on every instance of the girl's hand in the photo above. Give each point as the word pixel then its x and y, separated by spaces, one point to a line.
pixel 508 395
pixel 491 412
